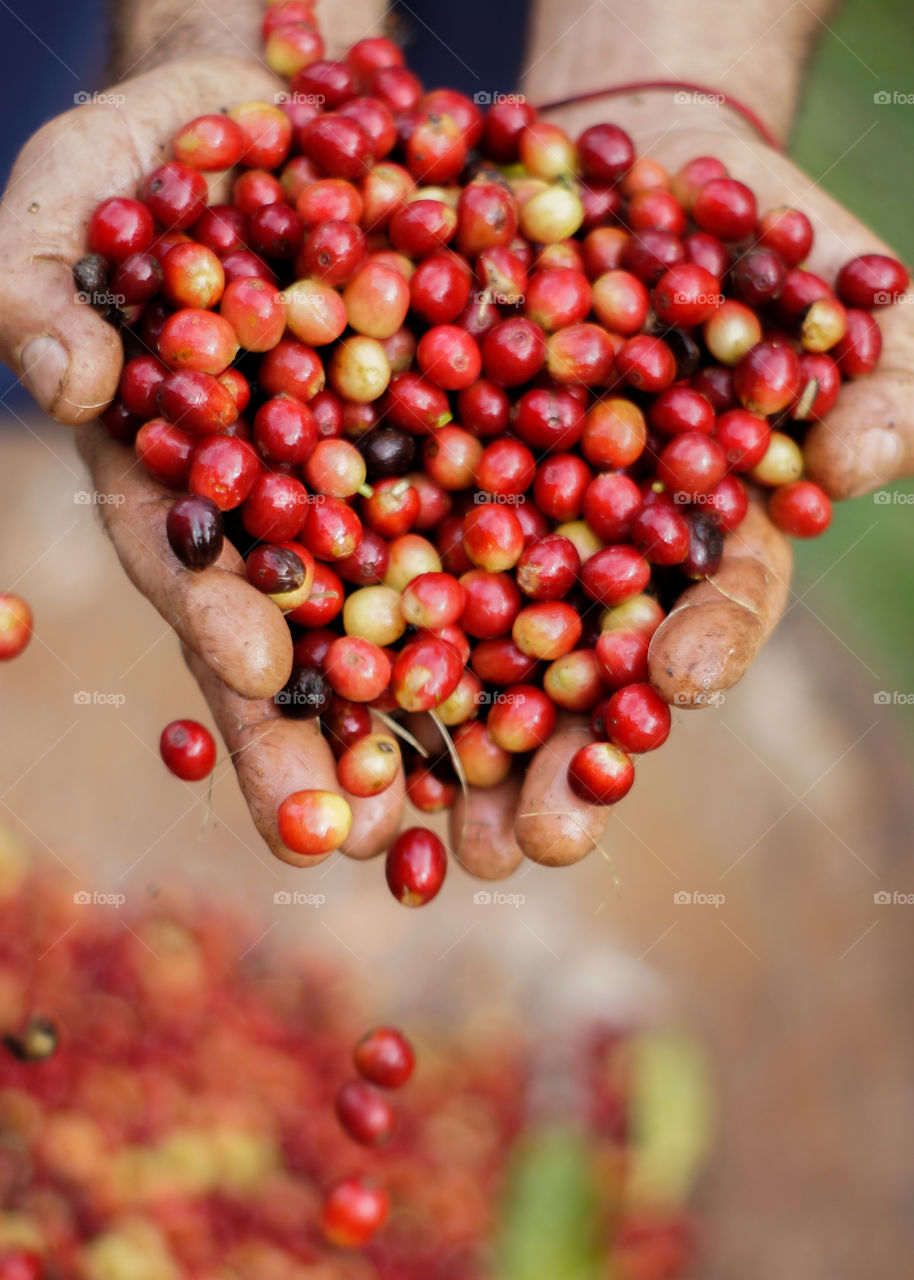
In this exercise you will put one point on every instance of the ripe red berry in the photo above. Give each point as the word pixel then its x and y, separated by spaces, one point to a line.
pixel 857 352
pixel 767 379
pixel 353 1210
pixel 119 228
pixel 365 1114
pixel 385 1057
pixel 872 280
pixel 313 823
pixel 637 718
pixel 687 295
pixel 691 464
pixel 224 469
pixel 605 152
pixel 800 509
pixel 614 574
pixel 416 865
pixel 601 773
pixel 449 357
pixel 522 718
pixel 188 750
pixel 15 626
pixel 788 232
pixel 726 208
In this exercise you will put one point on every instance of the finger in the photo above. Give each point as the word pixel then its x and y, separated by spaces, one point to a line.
pixel 868 438
pixel 236 629
pixel 554 826
pixel 375 819
pixel 66 355
pixel 482 829
pixel 273 756
pixel 718 626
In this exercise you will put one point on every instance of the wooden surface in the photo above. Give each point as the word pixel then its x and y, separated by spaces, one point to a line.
pixel 792 800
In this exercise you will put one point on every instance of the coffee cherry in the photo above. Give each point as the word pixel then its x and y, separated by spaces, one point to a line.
pixel 385 1058
pixel 732 331
pixel 689 180
pixel 522 718
pixel 548 567
pixel 686 295
pixel 425 672
pixel 661 534
pixel 605 152
pixel 188 750
pixel 365 1114
pixel 175 195
pixel 415 867
pixel 429 793
pixel 601 773
pixel 313 823
pixel 728 503
pixel 788 232
pixel 199 340
pixel 209 143
pixel 744 438
pixel 637 719
pixel 646 363
pixel 726 208
pixel 306 694
pixel 783 462
pixel 706 546
pixel 224 469
pixel 15 626
pixel 800 509
pixel 547 629
pixel 194 530
pixel 357 669
pixel 353 1210
pixel 767 379
pixel 622 656
pixel 484 762
pixel 857 352
pixel 119 228
pixel 165 452
pixel 613 575
pixel 370 765
pixel 872 280
pixel 691 464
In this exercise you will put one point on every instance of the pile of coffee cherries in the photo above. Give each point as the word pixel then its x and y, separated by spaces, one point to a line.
pixel 476 401
pixel 128 1149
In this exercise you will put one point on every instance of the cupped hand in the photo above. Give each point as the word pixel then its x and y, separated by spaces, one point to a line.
pixel 717 626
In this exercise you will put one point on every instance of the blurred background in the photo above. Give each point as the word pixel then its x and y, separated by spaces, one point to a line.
pixel 793 800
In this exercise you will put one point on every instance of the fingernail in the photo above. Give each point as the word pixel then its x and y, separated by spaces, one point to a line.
pixel 878 459
pixel 45 363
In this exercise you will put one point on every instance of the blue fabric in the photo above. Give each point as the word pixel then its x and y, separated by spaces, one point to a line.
pixel 476 46
pixel 49 52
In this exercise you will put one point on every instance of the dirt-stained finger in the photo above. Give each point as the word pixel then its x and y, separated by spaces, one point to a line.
pixel 718 626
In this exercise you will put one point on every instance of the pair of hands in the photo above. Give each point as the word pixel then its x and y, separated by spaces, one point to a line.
pixel 236 643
